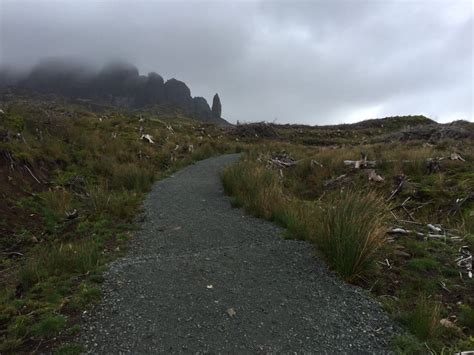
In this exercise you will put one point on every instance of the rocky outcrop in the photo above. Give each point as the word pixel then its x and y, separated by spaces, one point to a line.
pixel 152 92
pixel 178 93
pixel 118 84
pixel 201 109
pixel 216 106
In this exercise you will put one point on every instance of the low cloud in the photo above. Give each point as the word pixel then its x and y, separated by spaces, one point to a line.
pixel 300 61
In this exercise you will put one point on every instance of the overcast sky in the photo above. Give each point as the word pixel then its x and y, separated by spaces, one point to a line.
pixel 313 62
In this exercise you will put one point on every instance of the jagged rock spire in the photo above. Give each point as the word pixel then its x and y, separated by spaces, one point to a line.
pixel 216 106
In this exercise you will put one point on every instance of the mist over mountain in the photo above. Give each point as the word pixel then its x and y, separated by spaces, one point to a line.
pixel 116 83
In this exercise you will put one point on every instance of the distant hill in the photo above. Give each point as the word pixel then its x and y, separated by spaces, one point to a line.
pixel 388 129
pixel 117 84
pixel 391 123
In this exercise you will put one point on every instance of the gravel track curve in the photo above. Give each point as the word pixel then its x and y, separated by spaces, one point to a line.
pixel 196 261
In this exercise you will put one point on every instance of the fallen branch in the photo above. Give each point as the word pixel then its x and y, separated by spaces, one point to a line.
pixel 464 261
pixel 9 156
pixel 31 173
pixel 459 202
pixel 280 161
pixel 335 180
pixel 12 253
pixel 147 138
pixel 398 188
pixel 399 231
pixel 456 156
pixel 315 162
pixel 434 228
pixel 361 164
pixel 443 286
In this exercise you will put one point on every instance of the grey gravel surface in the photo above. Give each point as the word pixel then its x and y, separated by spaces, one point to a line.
pixel 196 261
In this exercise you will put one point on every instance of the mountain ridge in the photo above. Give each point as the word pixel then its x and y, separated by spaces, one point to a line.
pixel 116 83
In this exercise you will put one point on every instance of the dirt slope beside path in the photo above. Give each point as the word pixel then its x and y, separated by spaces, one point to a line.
pixel 204 277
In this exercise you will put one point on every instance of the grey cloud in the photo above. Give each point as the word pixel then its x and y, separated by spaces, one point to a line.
pixel 297 61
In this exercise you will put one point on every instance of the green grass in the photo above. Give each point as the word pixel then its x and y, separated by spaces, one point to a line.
pixel 423 264
pixel 408 344
pixel 69 349
pixel 64 259
pixel 49 325
pixel 466 316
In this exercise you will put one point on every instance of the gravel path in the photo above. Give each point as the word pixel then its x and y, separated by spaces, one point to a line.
pixel 197 261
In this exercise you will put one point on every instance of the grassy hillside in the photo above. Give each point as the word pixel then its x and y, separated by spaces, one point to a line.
pixel 72 182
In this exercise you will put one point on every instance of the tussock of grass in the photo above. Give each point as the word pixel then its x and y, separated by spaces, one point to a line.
pixel 423 319
pixel 466 316
pixel 350 231
pixel 49 325
pixel 254 187
pixel 131 177
pixel 423 264
pixel 71 258
pixel 106 203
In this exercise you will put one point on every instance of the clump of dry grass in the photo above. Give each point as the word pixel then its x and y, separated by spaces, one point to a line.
pixel 60 260
pixel 350 232
pixel 254 187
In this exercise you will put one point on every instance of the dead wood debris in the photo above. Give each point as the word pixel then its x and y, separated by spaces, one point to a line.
pixel 431 231
pixel 316 163
pixel 363 163
pixel 170 129
pixel 73 214
pixel 32 175
pixel 400 180
pixel 334 181
pixel 464 261
pixel 433 163
pixel 147 138
pixel 386 263
pixel 373 176
pixel 280 160
pixel 459 202
pixel 403 207
pixel 456 156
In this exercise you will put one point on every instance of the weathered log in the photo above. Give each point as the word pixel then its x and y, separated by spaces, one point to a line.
pixel 360 164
